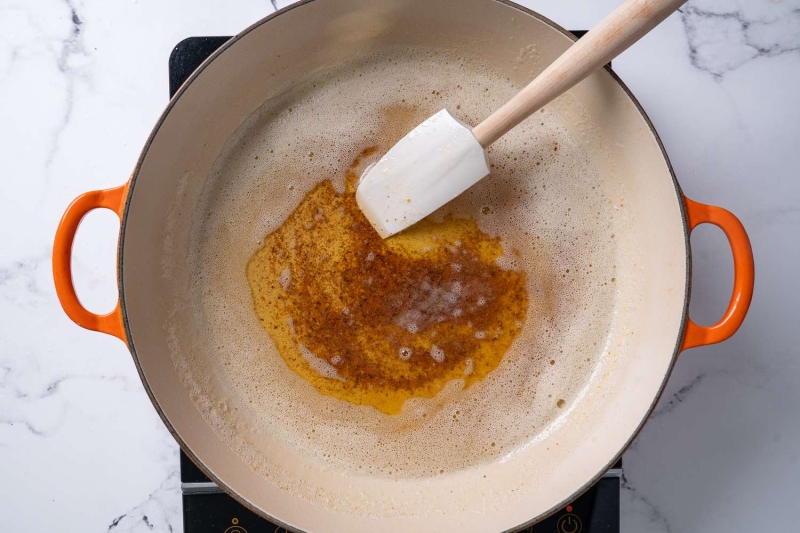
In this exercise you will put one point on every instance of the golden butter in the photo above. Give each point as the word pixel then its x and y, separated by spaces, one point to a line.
pixel 376 322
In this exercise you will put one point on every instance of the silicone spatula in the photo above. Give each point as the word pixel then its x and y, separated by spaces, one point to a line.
pixel 443 157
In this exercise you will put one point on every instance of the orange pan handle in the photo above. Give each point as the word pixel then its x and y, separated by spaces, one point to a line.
pixel 113 199
pixel 743 274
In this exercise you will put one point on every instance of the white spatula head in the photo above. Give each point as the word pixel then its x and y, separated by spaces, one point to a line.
pixel 434 163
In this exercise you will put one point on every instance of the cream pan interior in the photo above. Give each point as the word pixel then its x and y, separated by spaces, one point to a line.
pixel 281 52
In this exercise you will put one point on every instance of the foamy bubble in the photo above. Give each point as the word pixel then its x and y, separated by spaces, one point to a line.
pixel 468 367
pixel 437 353
pixel 320 365
pixel 285 278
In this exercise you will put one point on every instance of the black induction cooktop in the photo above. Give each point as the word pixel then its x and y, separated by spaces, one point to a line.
pixel 207 509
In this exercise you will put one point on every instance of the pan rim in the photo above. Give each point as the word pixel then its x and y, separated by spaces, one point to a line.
pixel 121 249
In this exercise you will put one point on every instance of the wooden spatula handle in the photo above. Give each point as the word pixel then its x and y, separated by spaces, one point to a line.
pixel 623 27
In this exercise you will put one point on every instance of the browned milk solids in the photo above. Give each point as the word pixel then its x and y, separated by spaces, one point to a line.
pixel 375 321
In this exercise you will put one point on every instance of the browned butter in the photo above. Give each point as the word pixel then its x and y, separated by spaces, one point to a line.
pixel 376 322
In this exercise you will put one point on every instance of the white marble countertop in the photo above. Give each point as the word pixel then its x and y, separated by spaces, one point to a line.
pixel 83 81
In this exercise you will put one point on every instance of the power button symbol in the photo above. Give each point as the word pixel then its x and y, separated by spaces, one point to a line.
pixel 569 523
pixel 235 528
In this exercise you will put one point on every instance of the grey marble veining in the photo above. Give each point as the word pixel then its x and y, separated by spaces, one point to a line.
pixel 83 81
pixel 722 36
